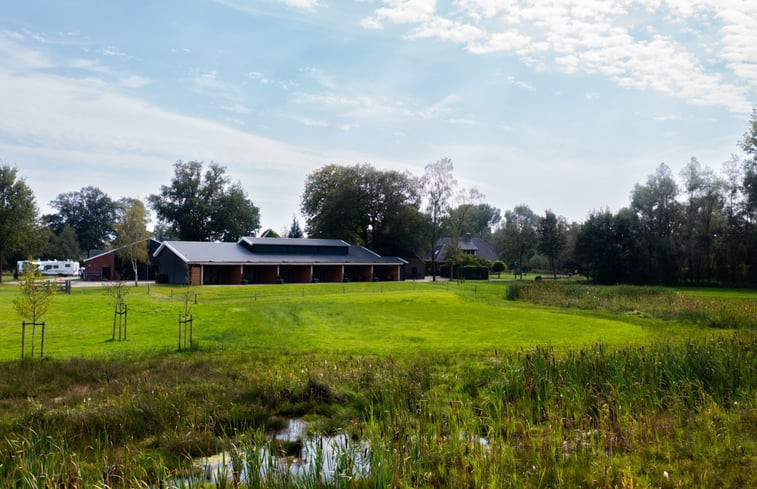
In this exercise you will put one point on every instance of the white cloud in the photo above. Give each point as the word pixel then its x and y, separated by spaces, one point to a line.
pixel 371 23
pixel 134 81
pixel 401 12
pixel 252 6
pixel 111 51
pixel 520 84
pixel 666 117
pixel 447 30
pixel 237 109
pixel 259 77
pixel 65 132
pixel 15 54
pixel 313 123
pixel 305 4
pixel 595 37
pixel 440 108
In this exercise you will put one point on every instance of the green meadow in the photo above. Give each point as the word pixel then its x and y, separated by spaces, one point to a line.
pixel 472 384
pixel 380 319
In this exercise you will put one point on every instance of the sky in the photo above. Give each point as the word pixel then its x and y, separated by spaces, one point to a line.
pixel 561 105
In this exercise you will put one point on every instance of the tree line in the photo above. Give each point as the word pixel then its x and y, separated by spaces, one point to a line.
pixel 698 228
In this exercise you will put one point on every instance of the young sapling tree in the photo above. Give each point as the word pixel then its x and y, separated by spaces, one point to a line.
pixel 33 303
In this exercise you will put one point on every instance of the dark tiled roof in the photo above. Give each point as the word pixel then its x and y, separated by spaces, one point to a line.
pixel 204 252
pixel 98 253
pixel 294 241
pixel 482 248
pixel 236 254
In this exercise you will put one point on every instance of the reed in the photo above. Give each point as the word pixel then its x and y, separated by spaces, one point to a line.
pixel 593 417
pixel 717 312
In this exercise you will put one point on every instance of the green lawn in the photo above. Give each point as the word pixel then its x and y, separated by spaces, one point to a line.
pixel 359 318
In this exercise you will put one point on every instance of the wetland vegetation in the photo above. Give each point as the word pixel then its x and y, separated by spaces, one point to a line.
pixel 434 385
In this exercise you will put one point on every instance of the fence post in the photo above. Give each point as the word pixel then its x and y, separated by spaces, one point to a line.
pixel 42 343
pixel 179 348
pixel 23 338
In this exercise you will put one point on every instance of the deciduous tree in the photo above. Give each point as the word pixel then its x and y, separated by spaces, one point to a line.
pixel 132 234
pixel 749 146
pixel 61 246
pixel 517 238
pixel 18 212
pixel 551 238
pixel 438 187
pixel 90 212
pixel 657 215
pixel 362 205
pixel 34 302
pixel 205 206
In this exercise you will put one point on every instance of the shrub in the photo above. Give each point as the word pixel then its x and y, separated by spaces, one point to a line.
pixel 498 267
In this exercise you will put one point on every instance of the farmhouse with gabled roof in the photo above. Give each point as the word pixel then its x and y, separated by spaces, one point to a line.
pixel 465 244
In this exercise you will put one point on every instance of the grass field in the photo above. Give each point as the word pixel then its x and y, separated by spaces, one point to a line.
pixel 436 385
pixel 389 318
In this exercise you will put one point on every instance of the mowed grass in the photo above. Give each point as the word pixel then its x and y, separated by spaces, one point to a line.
pixel 372 318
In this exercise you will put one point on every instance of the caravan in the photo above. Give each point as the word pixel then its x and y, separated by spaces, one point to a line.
pixel 59 268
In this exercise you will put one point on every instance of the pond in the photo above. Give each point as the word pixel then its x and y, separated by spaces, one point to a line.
pixel 290 455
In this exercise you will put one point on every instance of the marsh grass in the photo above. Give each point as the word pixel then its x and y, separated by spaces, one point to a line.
pixel 597 416
pixel 734 311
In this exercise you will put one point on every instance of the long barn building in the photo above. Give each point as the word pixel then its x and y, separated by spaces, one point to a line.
pixel 272 260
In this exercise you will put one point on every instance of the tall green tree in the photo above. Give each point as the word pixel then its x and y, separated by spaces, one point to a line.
pixel 605 247
pixel 735 226
pixel 456 223
pixel 704 219
pixel 132 234
pixel 749 189
pixel 205 206
pixel 517 238
pixel 438 187
pixel 295 231
pixel 61 246
pixel 552 238
pixel 18 212
pixel 657 215
pixel 474 219
pixel 330 203
pixel 362 205
pixel 90 212
pixel 749 146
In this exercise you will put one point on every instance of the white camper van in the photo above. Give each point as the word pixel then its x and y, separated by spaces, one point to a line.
pixel 59 268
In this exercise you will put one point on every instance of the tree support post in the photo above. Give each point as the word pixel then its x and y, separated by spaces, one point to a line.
pixel 183 321
pixel 23 338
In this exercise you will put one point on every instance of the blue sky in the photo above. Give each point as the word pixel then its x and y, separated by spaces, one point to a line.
pixel 561 105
